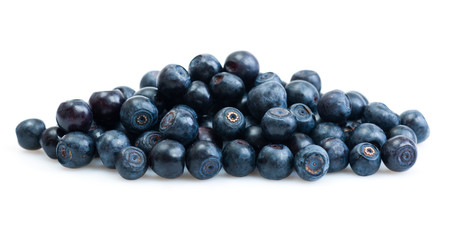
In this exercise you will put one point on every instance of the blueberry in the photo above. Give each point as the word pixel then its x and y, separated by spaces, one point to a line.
pixel 338 153
pixel 254 136
pixel 208 134
pixel 229 123
pixel 309 76
pixel 334 106
pixel 187 109
pixel 227 88
pixel 180 125
pixel 380 115
pixel 326 130
pixel 149 79
pixel 416 121
pixel 364 159
pixel 311 162
pixel 28 133
pixel 173 81
pixel 305 118
pixel 266 77
pixel 358 104
pixel 49 140
pixel 203 67
pixel 404 131
pixel 126 91
pixel 105 106
pixel 138 114
pixel 109 145
pixel 75 149
pixel 300 91
pixel 131 163
pixel 198 97
pixel 204 160
pixel 74 115
pixel 264 97
pixel 367 132
pixel 238 158
pixel 147 140
pixel 244 65
pixel 298 141
pixel 151 93
pixel 275 162
pixel 349 127
pixel 278 124
pixel 399 153
pixel 167 158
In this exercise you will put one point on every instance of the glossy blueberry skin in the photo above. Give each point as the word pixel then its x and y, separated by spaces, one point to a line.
pixel 358 104
pixel 187 109
pixel 278 124
pixel 203 67
pixel 227 88
pixel 334 106
pixel 179 125
pixel 74 115
pixel 138 114
pixel 367 132
pixel 151 93
pixel 298 141
pixel 126 91
pixel 229 123
pixel 49 140
pixel 28 133
pixel 338 153
pixel 208 134
pixel 399 153
pixel 403 130
pixel 198 97
pixel 326 130
pixel 173 81
pixel 106 106
pixel 300 91
pixel 380 115
pixel 131 163
pixel 147 140
pixel 311 163
pixel 244 65
pixel 75 149
pixel 109 145
pixel 309 76
pixel 264 97
pixel 204 160
pixel 416 121
pixel 238 158
pixel 364 159
pixel 254 136
pixel 305 118
pixel 149 79
pixel 275 162
pixel 167 159
pixel 266 77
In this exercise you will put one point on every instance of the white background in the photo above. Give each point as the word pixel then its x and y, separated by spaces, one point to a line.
pixel 407 54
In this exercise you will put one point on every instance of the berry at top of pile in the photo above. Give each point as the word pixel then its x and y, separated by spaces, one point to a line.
pixel 212 116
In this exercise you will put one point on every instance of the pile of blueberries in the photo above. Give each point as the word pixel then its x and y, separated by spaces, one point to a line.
pixel 233 117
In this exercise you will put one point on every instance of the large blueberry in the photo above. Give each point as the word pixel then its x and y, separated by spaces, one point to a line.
pixel 380 115
pixel 275 162
pixel 167 158
pixel 266 96
pixel 399 153
pixel 28 133
pixel 311 162
pixel 300 91
pixel 204 160
pixel 173 81
pixel 416 121
pixel 106 106
pixel 49 140
pixel 367 132
pixel 266 77
pixel 179 125
pixel 305 118
pixel 278 124
pixel 244 65
pixel 358 104
pixel 149 79
pixel 147 140
pixel 138 114
pixel 203 67
pixel 151 93
pixel 404 131
pixel 338 153
pixel 74 115
pixel 75 149
pixel 326 130
pixel 109 145
pixel 229 123
pixel 198 97
pixel 238 158
pixel 334 106
pixel 227 88
pixel 131 163
pixel 364 159
pixel 309 76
